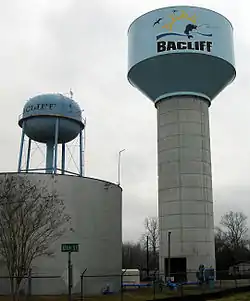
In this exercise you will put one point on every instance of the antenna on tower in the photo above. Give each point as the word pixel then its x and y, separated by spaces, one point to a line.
pixel 71 93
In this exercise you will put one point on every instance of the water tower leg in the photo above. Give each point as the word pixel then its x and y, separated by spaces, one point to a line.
pixel 28 156
pixel 21 150
pixel 56 144
pixel 49 157
pixel 81 155
pixel 63 158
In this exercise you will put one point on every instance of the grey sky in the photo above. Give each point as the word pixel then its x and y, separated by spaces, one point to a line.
pixel 50 46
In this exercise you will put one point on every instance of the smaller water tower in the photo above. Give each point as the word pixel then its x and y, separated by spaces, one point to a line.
pixel 53 120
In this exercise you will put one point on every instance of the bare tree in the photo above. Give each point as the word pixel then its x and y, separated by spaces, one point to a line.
pixel 152 234
pixel 152 231
pixel 31 219
pixel 234 230
pixel 219 239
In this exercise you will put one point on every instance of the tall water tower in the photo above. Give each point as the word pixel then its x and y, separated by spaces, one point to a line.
pixel 181 58
pixel 51 119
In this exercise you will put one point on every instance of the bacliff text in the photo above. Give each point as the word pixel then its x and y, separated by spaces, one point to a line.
pixel 183 45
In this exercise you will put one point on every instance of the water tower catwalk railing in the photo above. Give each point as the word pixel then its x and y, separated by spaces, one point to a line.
pixel 41 125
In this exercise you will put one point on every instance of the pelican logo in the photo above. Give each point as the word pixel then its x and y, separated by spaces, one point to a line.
pixel 191 30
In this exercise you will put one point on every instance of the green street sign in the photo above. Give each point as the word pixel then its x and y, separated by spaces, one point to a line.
pixel 70 247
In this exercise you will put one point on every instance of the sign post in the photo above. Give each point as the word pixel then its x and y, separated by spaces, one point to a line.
pixel 70 248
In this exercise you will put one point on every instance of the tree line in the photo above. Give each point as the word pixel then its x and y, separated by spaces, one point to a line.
pixel 231 240
pixel 231 244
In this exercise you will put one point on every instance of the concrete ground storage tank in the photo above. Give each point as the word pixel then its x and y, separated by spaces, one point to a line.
pixel 181 58
pixel 95 207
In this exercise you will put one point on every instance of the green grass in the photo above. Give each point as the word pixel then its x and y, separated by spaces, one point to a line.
pixel 132 295
pixel 236 297
pixel 129 295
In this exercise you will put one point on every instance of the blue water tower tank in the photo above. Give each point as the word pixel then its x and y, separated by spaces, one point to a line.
pixel 40 114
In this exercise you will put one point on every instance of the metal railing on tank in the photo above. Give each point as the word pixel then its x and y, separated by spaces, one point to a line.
pixel 40 170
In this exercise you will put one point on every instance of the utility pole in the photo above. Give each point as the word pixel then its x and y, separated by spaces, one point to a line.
pixel 119 167
pixel 147 258
pixel 69 277
pixel 169 255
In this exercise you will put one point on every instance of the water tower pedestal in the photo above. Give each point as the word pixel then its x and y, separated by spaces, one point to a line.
pixel 185 183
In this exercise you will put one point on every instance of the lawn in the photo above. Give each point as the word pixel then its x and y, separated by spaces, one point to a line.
pixel 132 295
pixel 236 297
pixel 129 295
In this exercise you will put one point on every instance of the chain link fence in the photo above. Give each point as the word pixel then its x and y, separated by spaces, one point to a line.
pixel 121 287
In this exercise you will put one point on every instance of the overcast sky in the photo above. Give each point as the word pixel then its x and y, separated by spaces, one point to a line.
pixel 50 46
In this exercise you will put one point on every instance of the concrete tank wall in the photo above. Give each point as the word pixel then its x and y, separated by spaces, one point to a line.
pixel 96 209
pixel 185 182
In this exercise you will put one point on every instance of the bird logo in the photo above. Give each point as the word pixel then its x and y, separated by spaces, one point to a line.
pixel 190 29
pixel 157 21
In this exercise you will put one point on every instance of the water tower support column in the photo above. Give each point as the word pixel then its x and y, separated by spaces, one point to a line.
pixel 49 157
pixel 21 149
pixel 63 158
pixel 28 156
pixel 81 155
pixel 56 145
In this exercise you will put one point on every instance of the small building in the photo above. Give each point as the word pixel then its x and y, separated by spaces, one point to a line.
pixel 241 268
pixel 131 276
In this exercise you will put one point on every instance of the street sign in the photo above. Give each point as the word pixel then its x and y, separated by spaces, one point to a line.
pixel 70 247
pixel 68 276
